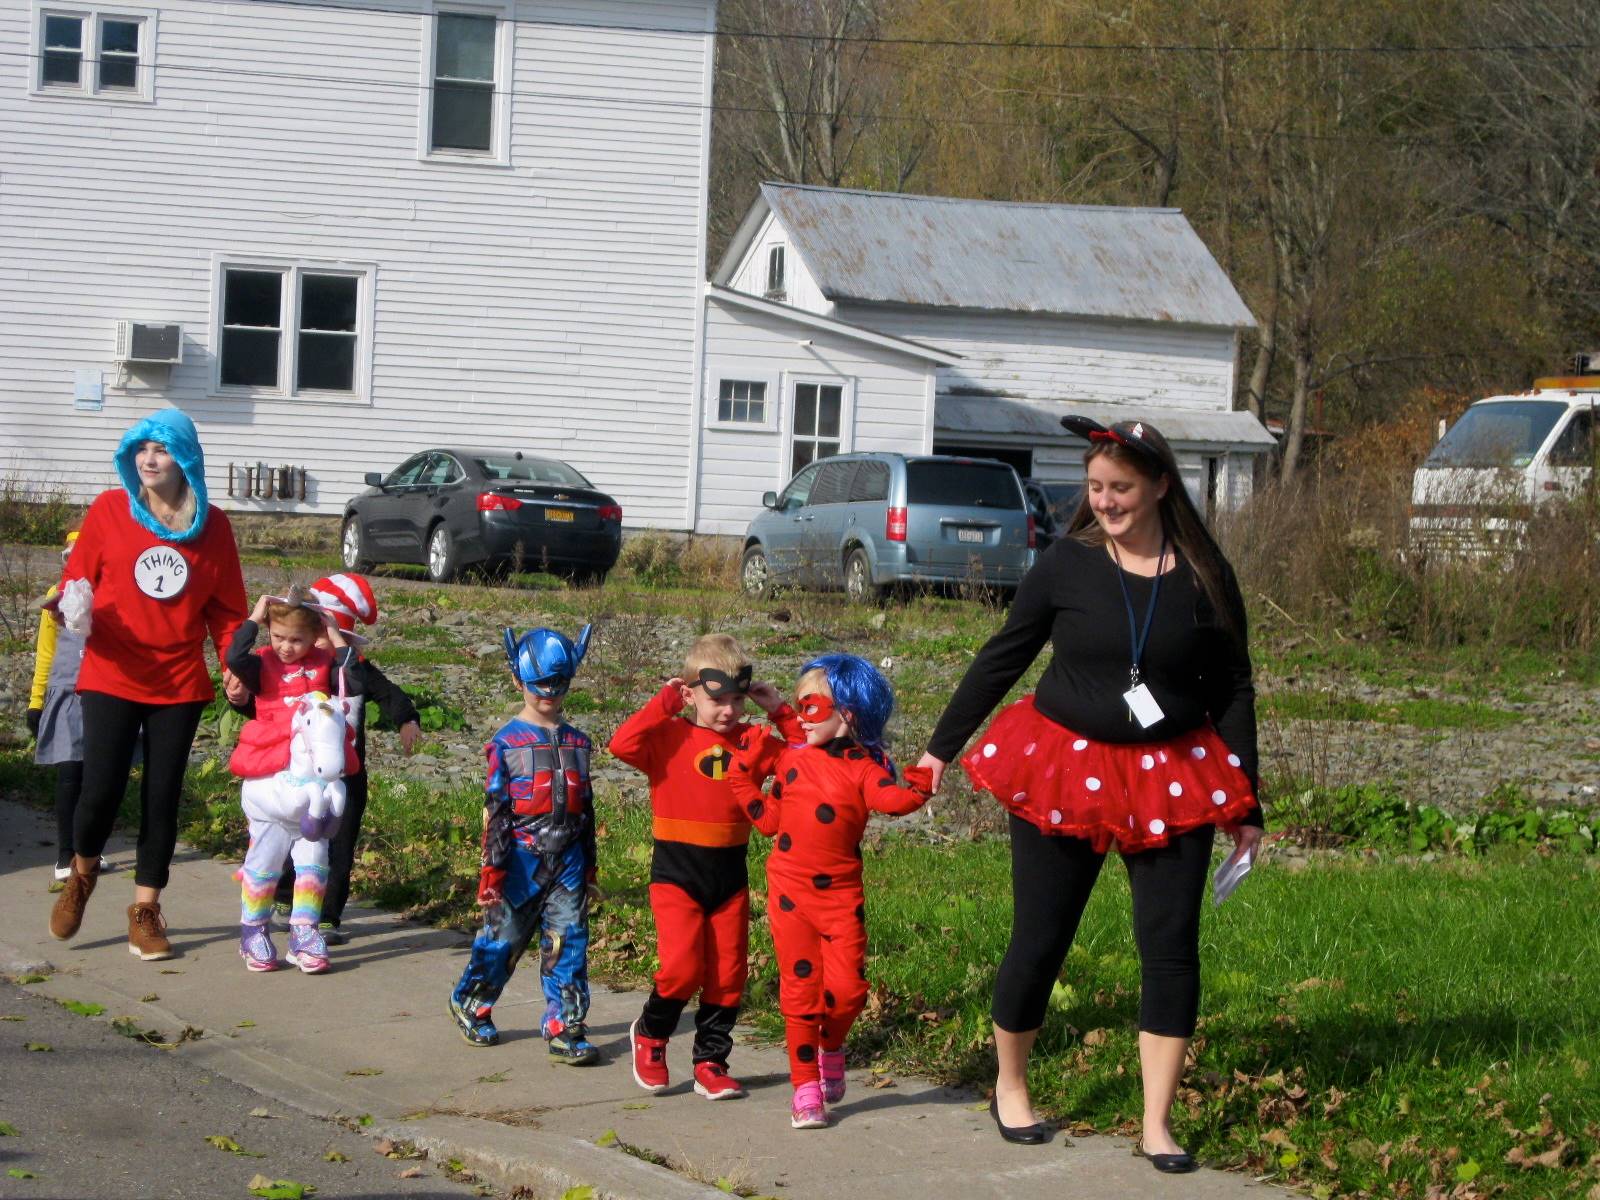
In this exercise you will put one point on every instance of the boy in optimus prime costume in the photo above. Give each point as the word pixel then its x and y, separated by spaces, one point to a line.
pixel 538 854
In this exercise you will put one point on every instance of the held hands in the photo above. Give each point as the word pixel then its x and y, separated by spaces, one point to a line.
pixel 919 779
pixel 233 688
pixel 410 735
pixel 935 768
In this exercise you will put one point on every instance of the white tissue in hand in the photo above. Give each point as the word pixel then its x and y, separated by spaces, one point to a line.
pixel 77 601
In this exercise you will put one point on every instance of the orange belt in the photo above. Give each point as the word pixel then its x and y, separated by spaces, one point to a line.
pixel 700 833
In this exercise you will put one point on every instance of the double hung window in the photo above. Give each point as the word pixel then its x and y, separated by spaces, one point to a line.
pixel 466 110
pixel 818 422
pixel 294 329
pixel 90 52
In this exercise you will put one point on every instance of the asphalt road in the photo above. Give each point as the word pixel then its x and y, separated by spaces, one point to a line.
pixel 100 1115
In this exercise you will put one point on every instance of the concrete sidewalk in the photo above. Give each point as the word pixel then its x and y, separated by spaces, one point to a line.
pixel 372 1038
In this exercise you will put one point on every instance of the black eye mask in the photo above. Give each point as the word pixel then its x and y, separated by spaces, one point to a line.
pixel 719 685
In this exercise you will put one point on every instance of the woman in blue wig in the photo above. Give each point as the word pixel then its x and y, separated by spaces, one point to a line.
pixel 154 571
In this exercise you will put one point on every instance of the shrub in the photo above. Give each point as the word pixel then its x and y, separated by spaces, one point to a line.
pixel 35 514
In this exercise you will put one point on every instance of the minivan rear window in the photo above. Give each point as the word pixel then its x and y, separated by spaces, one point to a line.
pixel 980 485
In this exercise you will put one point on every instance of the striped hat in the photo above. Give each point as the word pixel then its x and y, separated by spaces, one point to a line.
pixel 347 598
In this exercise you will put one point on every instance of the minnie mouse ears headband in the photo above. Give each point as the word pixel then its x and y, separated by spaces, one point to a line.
pixel 1134 435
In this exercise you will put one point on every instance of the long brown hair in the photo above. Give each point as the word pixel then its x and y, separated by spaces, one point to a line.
pixel 1180 521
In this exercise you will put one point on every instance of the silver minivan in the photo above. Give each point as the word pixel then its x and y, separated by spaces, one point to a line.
pixel 869 522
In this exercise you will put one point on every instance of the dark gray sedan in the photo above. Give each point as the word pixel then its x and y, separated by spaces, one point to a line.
pixel 448 508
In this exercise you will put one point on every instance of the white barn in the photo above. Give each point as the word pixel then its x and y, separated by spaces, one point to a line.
pixel 364 230
pixel 964 326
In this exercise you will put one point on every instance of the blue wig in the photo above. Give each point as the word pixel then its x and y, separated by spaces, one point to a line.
pixel 860 688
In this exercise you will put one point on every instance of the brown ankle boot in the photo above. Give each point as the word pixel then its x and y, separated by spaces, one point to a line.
pixel 67 914
pixel 147 933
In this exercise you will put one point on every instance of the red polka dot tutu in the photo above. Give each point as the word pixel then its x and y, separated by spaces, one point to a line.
pixel 1136 794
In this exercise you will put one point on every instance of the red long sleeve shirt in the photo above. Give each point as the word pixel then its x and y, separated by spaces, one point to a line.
pixel 154 603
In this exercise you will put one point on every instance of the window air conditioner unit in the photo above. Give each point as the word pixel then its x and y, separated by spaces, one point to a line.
pixel 141 342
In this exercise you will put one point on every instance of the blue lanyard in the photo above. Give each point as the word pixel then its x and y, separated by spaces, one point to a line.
pixel 1138 638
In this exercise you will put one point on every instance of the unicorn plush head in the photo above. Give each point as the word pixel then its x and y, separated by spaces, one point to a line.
pixel 316 746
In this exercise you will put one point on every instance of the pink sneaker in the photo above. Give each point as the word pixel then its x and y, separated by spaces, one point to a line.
pixel 831 1063
pixel 806 1110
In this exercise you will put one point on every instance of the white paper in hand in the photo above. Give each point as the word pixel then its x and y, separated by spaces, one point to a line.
pixel 76 605
pixel 1229 875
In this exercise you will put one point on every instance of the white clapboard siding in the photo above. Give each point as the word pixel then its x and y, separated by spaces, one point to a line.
pixel 1033 357
pixel 800 288
pixel 891 392
pixel 551 304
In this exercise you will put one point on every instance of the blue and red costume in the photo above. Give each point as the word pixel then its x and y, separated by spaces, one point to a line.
pixel 538 862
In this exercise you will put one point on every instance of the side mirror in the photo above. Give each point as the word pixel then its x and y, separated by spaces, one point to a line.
pixel 373 478
pixel 769 499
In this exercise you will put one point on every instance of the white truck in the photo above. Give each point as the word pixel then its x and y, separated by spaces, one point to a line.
pixel 1504 457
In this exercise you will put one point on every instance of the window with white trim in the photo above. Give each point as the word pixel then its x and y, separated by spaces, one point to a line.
pixel 742 401
pixel 91 52
pixel 818 422
pixel 775 277
pixel 465 112
pixel 740 397
pixel 293 329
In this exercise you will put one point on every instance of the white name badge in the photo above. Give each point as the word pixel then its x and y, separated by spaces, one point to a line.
pixel 1143 705
pixel 161 572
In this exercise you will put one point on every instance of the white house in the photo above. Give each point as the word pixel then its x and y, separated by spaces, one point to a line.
pixel 364 229
pixel 923 323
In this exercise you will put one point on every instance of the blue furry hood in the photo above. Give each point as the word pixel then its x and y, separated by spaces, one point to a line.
pixel 174 430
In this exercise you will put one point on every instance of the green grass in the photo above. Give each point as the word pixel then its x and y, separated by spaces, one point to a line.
pixel 1474 670
pixel 1422 714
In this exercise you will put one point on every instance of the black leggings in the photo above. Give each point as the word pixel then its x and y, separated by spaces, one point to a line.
pixel 111 728
pixel 1051 878
pixel 69 783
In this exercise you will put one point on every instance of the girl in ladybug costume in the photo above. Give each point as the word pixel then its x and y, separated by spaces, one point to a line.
pixel 1141 735
pixel 823 792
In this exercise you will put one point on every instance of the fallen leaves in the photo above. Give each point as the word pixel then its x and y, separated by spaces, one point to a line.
pixel 8 1130
pixel 228 1145
pixel 39 1047
pixel 335 1156
pixel 410 1173
pixel 82 1008
pixel 365 1071
pixel 279 1189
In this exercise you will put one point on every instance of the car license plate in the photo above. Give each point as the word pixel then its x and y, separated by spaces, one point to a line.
pixel 969 535
pixel 558 514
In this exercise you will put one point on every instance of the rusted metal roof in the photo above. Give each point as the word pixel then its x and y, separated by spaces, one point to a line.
pixel 1069 259
pixel 1003 417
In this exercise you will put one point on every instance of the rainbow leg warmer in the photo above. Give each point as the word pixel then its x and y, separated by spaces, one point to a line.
pixel 310 884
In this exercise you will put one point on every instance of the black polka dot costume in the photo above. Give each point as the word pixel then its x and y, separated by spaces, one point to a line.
pixel 817 810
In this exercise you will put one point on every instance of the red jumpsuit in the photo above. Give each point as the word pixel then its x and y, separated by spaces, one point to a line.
pixel 699 881
pixel 817 810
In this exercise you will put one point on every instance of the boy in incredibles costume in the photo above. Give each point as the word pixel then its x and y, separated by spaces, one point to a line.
pixel 699 883
pixel 538 855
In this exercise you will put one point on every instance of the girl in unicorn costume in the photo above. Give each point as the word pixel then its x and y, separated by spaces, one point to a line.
pixel 292 756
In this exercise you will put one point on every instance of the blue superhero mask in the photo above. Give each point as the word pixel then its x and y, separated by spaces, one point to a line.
pixel 545 661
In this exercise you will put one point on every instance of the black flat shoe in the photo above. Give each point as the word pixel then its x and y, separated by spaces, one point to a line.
pixel 1168 1164
pixel 1022 1135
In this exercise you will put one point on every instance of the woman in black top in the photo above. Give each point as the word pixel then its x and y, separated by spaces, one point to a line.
pixel 1141 733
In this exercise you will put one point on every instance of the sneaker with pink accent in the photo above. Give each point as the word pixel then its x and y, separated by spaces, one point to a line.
pixel 831 1064
pixel 711 1080
pixel 806 1110
pixel 256 948
pixel 307 950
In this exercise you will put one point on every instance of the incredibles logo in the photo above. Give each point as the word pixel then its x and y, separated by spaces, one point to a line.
pixel 715 763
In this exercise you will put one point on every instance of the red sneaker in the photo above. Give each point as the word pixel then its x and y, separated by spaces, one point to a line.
pixel 711 1080
pixel 649 1060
